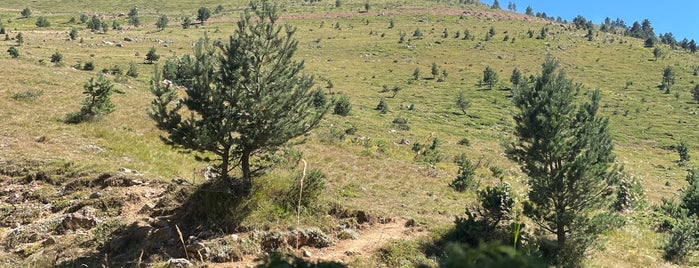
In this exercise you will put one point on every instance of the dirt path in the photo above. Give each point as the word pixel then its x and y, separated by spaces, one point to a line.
pixel 368 243
pixel 346 251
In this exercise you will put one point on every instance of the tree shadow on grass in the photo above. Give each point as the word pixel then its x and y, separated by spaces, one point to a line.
pixel 184 215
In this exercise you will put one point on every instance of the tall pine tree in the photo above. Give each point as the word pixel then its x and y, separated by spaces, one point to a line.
pixel 566 151
pixel 246 98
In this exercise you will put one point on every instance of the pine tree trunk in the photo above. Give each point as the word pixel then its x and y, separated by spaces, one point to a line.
pixel 560 239
pixel 225 163
pixel 245 166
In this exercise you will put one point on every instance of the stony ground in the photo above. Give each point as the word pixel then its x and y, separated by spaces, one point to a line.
pixel 59 214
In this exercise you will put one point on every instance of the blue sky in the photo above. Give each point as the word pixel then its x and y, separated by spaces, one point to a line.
pixel 679 17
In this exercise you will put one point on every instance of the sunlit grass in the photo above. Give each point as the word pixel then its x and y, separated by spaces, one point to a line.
pixel 368 169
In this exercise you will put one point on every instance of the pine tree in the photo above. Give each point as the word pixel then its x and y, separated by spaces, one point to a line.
pixel 14 53
pixel 26 12
pixel 516 78
pixel 162 22
pixel 97 100
pixel 57 58
pixel 186 22
pixel 461 102
pixel 203 14
pixel 133 17
pixel 247 97
pixel 435 70
pixel 566 151
pixel 490 77
pixel 668 79
pixel 152 56
pixel 73 34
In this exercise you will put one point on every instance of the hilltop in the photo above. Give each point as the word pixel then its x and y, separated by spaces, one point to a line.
pixel 124 192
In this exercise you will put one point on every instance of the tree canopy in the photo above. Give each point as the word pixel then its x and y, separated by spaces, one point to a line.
pixel 566 151
pixel 246 97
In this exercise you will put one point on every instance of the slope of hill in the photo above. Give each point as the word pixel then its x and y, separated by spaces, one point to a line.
pixel 367 167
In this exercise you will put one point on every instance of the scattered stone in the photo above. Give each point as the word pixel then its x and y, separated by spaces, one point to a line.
pixel 161 222
pixel 179 263
pixel 40 139
pixel 128 39
pixel 234 237
pixel 118 243
pixel 347 233
pixel 312 237
pixel 306 253
pixel 76 221
pixel 48 241
pixel 352 252
pixel 147 208
pixel 91 148
pixel 95 195
pixel 410 223
pixel 197 247
pixel 404 141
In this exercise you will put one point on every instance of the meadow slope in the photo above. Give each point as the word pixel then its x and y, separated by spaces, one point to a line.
pixel 354 53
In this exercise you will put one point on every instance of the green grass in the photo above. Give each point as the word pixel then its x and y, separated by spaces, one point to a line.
pixel 367 170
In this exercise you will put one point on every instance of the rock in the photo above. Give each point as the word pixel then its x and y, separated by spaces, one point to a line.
pixel 234 237
pixel 312 237
pixel 160 222
pixel 95 195
pixel 118 243
pixel 179 263
pixel 306 253
pixel 84 218
pixel 273 241
pixel 48 241
pixel 197 247
pixel 410 223
pixel 347 233
pixel 162 235
pixel 352 252
pixel 128 39
pixel 147 208
pixel 91 148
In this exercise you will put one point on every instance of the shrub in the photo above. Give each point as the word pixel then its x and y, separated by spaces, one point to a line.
pixel 30 94
pixel 683 151
pixel 73 34
pixel 26 12
pixel 382 106
pixel 465 142
pixel 14 53
pixel 133 70
pixel 342 105
pixel 89 66
pixel 152 56
pixel 682 240
pixel 401 123
pixel 465 179
pixel 629 194
pixel 42 21
pixel 313 186
pixel 319 98
pixel 97 100
pixel 57 57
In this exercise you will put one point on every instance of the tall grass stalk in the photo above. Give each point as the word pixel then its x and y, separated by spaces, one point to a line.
pixel 298 208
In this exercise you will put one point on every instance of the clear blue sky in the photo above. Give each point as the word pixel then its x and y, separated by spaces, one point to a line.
pixel 679 17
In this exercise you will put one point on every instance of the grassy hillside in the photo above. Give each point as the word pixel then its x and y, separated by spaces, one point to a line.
pixel 358 53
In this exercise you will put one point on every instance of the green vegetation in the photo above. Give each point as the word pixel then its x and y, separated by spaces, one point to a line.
pixel 366 155
pixel 567 156
pixel 97 100
pixel 252 100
